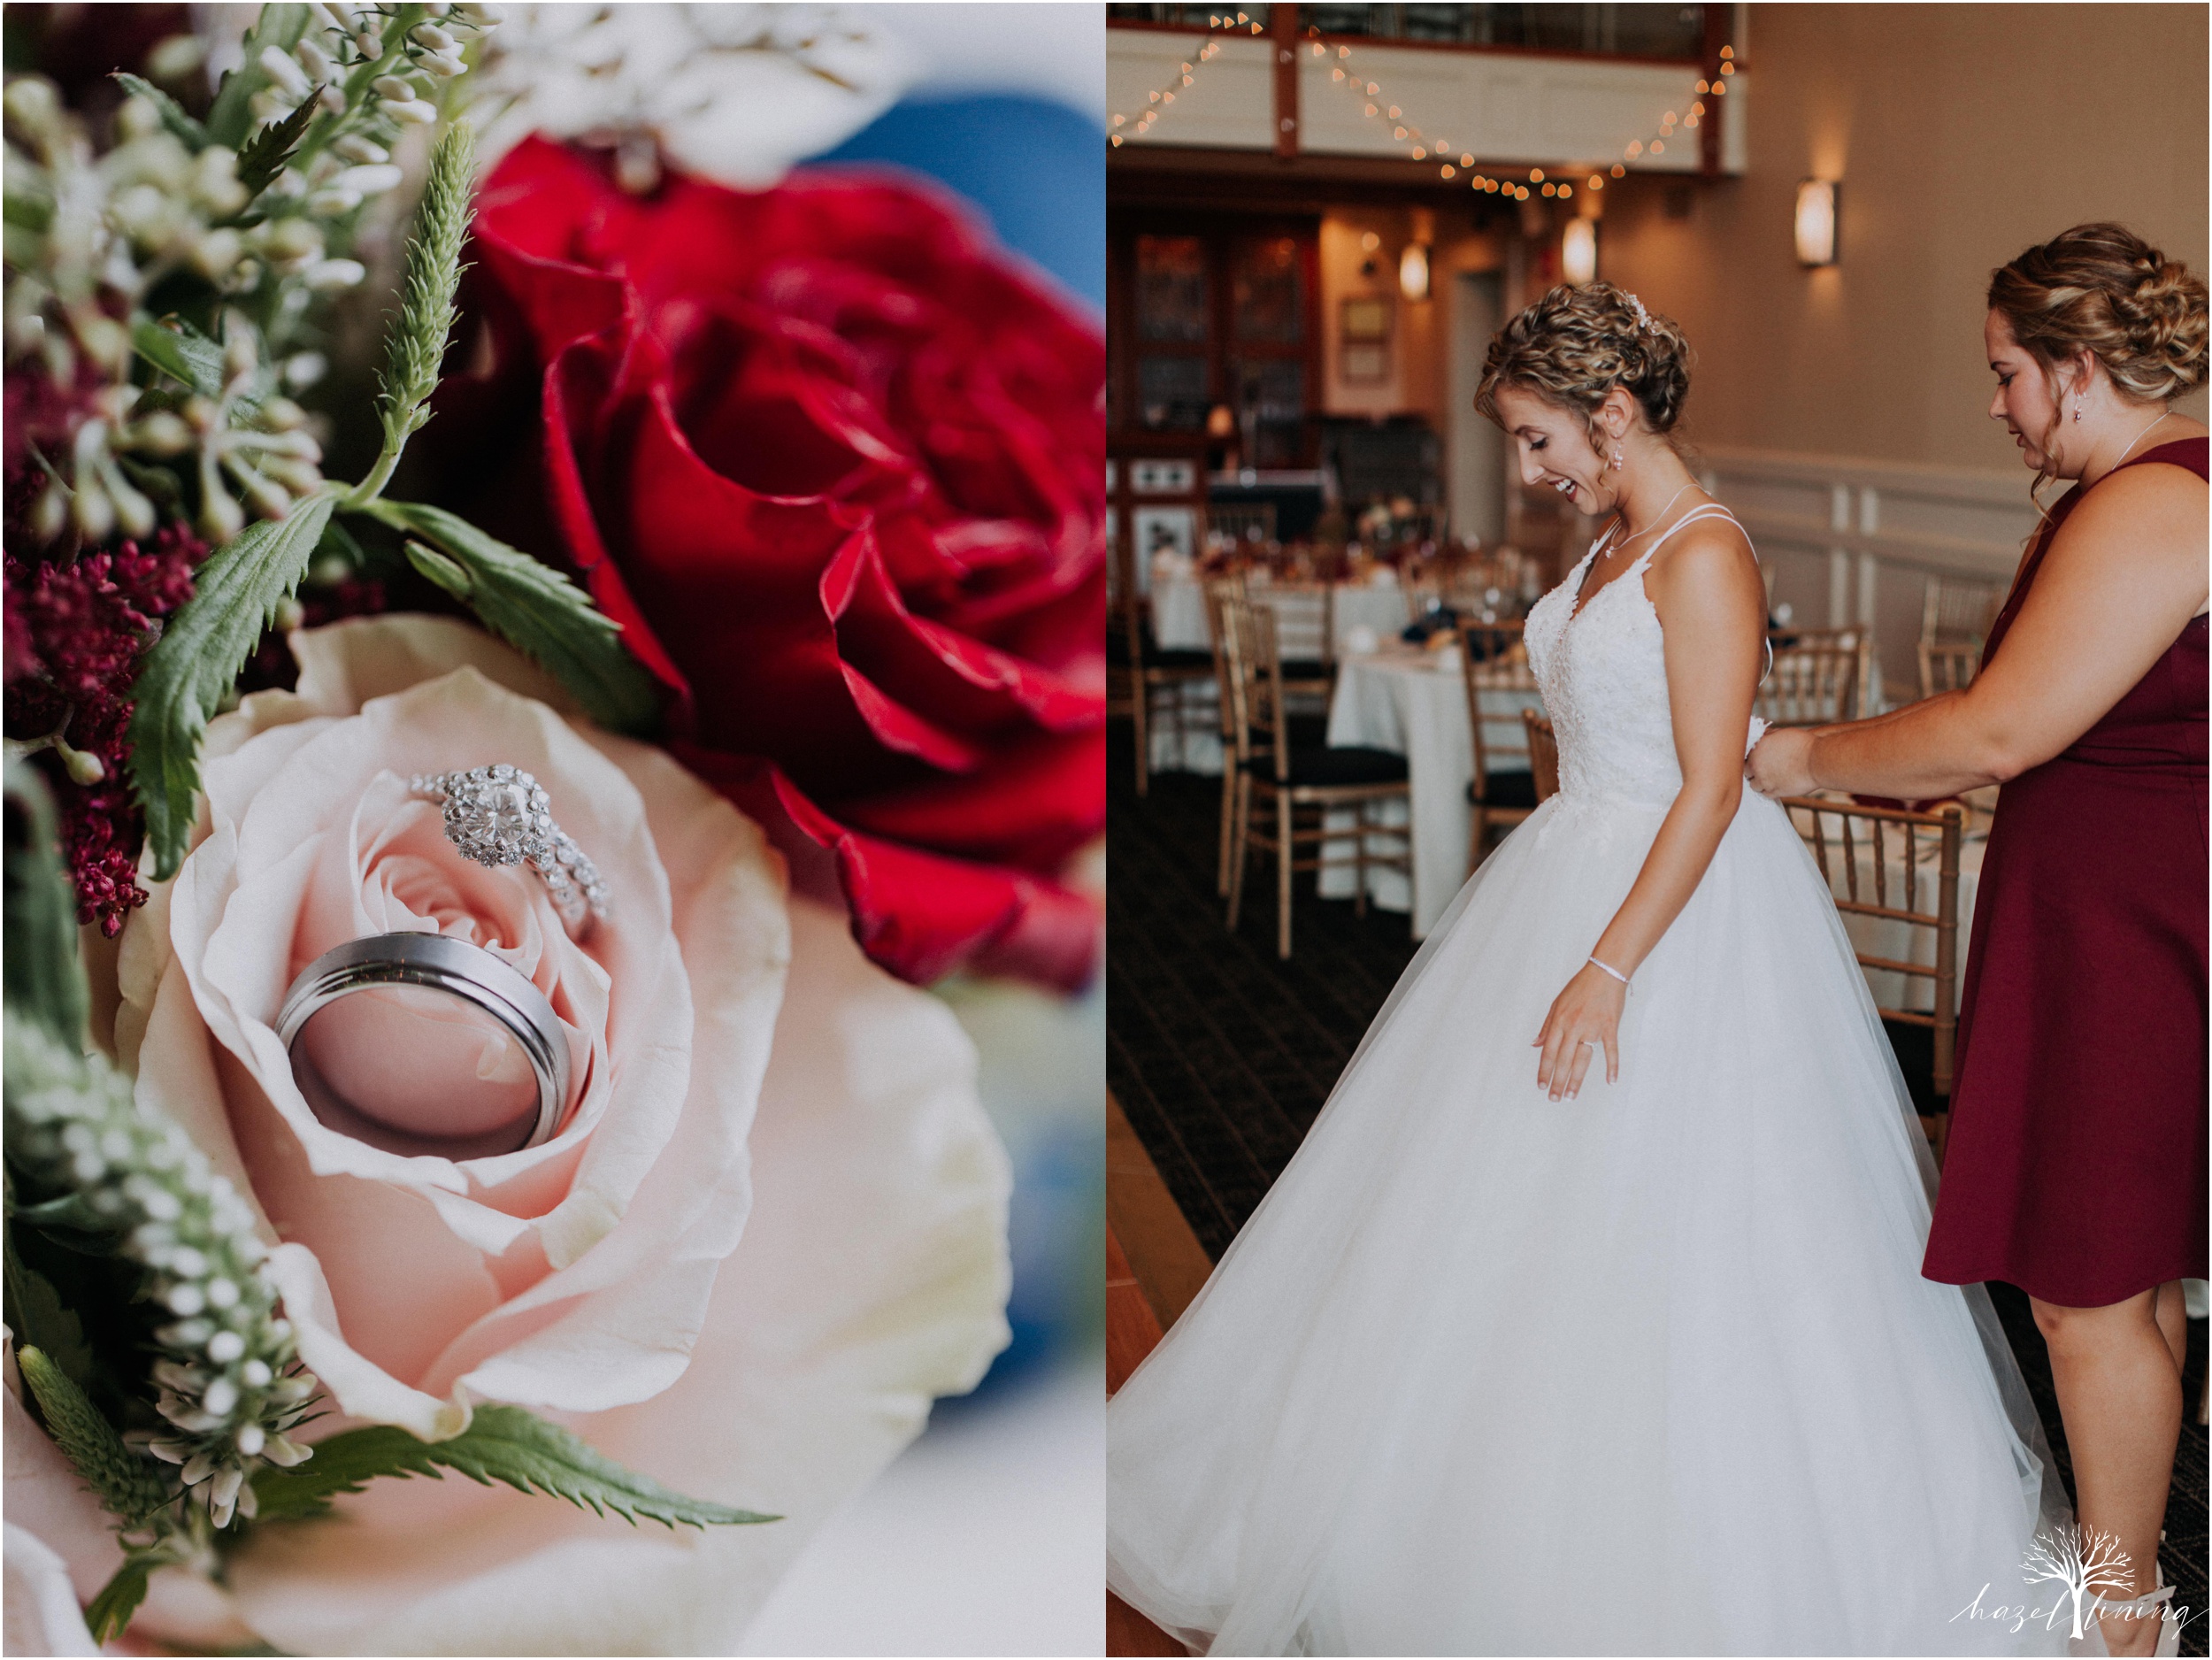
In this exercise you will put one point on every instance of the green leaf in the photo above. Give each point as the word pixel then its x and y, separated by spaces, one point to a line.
pixel 179 351
pixel 267 151
pixel 36 1316
pixel 38 916
pixel 26 211
pixel 503 1444
pixel 539 611
pixel 172 113
pixel 230 120
pixel 118 1599
pixel 415 345
pixel 124 1482
pixel 197 659
pixel 446 573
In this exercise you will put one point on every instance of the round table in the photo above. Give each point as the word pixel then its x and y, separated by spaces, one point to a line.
pixel 1178 609
pixel 1403 701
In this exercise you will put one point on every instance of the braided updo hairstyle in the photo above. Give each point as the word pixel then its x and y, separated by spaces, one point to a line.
pixel 2102 289
pixel 1576 344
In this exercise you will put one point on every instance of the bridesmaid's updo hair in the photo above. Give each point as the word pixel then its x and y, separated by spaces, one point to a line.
pixel 1576 344
pixel 2103 290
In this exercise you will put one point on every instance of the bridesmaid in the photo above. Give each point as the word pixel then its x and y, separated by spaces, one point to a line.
pixel 2076 1164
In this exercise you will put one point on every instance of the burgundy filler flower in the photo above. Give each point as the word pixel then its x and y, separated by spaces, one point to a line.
pixel 75 633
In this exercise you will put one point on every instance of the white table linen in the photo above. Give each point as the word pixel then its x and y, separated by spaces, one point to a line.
pixel 1178 610
pixel 1403 701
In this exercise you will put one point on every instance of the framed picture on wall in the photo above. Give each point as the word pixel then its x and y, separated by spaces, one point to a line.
pixel 1362 348
pixel 1365 318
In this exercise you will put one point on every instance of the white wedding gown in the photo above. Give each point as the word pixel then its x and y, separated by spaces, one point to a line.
pixel 1652 1370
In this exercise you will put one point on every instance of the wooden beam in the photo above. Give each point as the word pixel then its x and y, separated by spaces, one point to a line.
pixel 1284 27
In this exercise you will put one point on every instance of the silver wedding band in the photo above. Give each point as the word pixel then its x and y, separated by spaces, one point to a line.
pixel 500 815
pixel 440 963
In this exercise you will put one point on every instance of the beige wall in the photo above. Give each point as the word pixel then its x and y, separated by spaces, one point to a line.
pixel 1419 342
pixel 1962 134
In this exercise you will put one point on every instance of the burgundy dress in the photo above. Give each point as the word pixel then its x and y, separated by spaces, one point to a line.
pixel 2076 1164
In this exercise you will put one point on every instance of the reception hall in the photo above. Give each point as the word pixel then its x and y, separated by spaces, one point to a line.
pixel 1325 556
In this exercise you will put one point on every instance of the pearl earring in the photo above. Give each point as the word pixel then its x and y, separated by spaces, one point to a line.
pixel 2078 407
pixel 1616 448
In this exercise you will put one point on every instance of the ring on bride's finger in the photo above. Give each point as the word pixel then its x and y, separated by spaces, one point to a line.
pixel 424 1043
pixel 499 815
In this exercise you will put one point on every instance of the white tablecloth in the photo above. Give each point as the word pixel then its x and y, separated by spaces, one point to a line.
pixel 1403 701
pixel 1178 611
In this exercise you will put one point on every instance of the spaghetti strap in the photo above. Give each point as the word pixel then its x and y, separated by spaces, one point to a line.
pixel 1704 510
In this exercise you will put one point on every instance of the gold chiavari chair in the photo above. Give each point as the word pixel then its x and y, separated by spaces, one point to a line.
pixel 1948 668
pixel 1297 782
pixel 1898 848
pixel 1815 677
pixel 1142 680
pixel 1499 797
pixel 1305 632
pixel 1221 592
pixel 1543 754
pixel 1954 620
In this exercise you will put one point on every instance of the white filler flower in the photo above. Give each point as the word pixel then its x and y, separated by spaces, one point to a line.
pixel 737 93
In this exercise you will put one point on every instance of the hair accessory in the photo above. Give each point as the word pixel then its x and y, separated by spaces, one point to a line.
pixel 1643 318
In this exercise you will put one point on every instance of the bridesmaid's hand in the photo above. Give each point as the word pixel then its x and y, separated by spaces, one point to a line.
pixel 1587 1014
pixel 1782 763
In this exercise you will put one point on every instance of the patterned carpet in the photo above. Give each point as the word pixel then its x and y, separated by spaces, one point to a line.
pixel 1221 1055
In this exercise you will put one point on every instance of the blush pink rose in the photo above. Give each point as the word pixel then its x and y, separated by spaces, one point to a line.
pixel 768 1233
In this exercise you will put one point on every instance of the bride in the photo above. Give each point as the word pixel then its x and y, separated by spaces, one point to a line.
pixel 1588 1319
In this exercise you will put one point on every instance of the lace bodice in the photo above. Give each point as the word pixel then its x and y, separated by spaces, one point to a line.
pixel 1603 677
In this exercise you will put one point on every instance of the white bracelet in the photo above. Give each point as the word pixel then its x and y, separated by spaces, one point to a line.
pixel 1615 973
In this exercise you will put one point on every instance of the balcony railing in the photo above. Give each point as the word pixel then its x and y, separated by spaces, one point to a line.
pixel 1622 31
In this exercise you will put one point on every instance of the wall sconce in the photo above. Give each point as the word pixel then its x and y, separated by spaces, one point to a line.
pixel 1579 251
pixel 1413 271
pixel 1221 422
pixel 1816 222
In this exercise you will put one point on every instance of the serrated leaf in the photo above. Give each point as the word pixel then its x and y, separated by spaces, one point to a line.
pixel 197 659
pixel 36 1316
pixel 179 351
pixel 42 978
pixel 267 152
pixel 540 613
pixel 172 113
pixel 230 119
pixel 503 1444
pixel 125 1483
pixel 111 1610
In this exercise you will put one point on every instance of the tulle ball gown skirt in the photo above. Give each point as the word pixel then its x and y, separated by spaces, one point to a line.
pixel 1652 1370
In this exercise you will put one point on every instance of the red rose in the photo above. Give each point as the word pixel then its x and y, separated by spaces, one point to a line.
pixel 835 463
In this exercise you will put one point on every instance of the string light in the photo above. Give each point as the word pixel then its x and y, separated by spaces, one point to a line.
pixel 1422 146
pixel 1158 99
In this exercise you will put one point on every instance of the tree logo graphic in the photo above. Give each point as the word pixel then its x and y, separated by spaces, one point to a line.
pixel 2085 1562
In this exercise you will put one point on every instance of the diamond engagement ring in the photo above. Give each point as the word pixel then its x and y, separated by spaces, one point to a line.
pixel 500 815
pixel 423 1043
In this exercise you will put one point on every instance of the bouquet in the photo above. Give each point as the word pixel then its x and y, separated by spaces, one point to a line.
pixel 518 653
